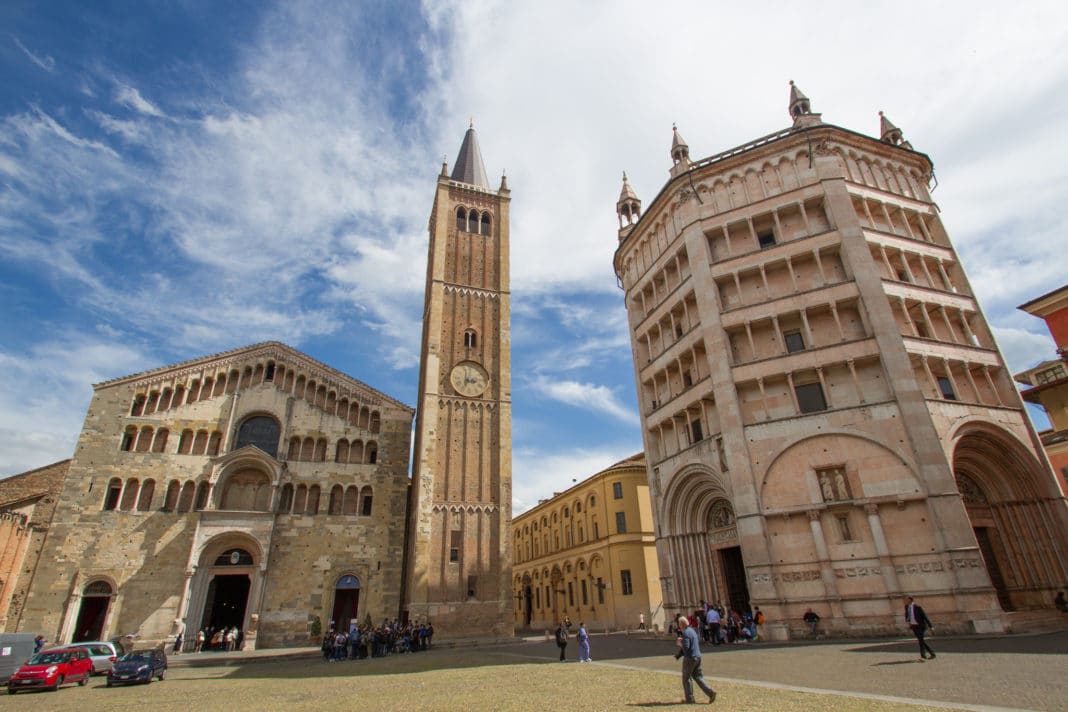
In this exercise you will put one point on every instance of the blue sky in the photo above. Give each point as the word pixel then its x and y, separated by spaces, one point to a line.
pixel 181 178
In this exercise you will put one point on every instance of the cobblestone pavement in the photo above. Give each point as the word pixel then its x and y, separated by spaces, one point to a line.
pixel 1009 672
pixel 1012 671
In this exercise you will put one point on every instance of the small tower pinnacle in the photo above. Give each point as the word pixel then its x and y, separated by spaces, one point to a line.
pixel 680 152
pixel 888 133
pixel 628 206
pixel 800 109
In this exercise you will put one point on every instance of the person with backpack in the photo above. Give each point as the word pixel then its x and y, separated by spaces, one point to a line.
pixel 561 640
pixel 758 622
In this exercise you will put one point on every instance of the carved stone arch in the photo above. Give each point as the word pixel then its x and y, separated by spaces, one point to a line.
pixel 998 463
pixel 209 550
pixel 687 497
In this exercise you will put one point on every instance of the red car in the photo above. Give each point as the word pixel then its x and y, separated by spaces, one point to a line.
pixel 51 668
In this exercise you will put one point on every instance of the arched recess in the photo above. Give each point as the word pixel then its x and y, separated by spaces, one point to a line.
pixel 246 490
pixel 93 606
pixel 705 560
pixel 227 585
pixel 262 431
pixel 346 608
pixel 1016 513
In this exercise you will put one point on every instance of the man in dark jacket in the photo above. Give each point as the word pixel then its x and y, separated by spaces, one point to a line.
pixel 561 639
pixel 917 619
pixel 690 652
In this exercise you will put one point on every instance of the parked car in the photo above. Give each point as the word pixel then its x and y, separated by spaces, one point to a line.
pixel 102 653
pixel 49 669
pixel 138 666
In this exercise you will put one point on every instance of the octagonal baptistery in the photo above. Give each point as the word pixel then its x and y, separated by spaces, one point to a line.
pixel 258 490
pixel 827 419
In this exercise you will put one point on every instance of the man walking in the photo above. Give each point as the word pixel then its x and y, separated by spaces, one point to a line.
pixel 690 652
pixel 917 619
pixel 561 640
pixel 584 644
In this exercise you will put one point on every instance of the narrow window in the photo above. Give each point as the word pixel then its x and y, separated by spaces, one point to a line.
pixel 336 496
pixel 627 585
pixel 485 224
pixel 585 594
pixel 269 375
pixel 596 531
pixel 352 497
pixel 128 439
pixel 202 496
pixel 111 498
pixel 617 490
pixel 313 500
pixel 144 500
pixel 696 432
pixel 946 386
pixel 810 397
pixel 455 540
pixel 366 500
pixel 766 239
pixel 472 221
pixel 794 341
pixel 621 523
pixel 571 593
pixel 138 406
pixel 600 590
pixel 470 339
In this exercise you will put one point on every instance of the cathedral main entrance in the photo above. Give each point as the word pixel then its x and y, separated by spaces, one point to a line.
pixel 96 598
pixel 346 603
pixel 225 604
pixel 734 578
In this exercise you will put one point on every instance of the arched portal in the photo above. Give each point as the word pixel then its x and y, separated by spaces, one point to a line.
pixel 226 589
pixel 1014 510
pixel 226 601
pixel 96 598
pixel 346 602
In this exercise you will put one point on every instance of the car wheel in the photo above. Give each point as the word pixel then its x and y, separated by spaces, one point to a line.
pixel 84 681
pixel 59 681
pixel 108 683
pixel 162 674
pixel 10 691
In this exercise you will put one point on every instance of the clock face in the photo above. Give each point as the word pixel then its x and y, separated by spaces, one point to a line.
pixel 469 379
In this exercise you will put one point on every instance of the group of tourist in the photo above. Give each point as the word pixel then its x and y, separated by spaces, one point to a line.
pixel 221 639
pixel 364 641
pixel 717 624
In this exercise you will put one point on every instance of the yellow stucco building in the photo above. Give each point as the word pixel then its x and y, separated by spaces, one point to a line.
pixel 589 553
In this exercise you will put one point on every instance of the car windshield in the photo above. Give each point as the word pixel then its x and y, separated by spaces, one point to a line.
pixel 136 658
pixel 49 658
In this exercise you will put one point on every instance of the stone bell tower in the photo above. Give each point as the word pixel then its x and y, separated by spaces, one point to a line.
pixel 460 539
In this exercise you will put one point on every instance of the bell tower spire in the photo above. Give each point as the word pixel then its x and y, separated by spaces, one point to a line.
pixel 800 110
pixel 460 551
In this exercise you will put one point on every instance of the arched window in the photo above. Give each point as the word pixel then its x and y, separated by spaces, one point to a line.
pixel 376 422
pixel 129 495
pixel 170 503
pixel 285 502
pixel 185 500
pixel 200 443
pixel 470 339
pixel 160 443
pixel 129 437
pixel 341 454
pixel 472 221
pixel 294 449
pixel 261 431
pixel 351 497
pixel 165 399
pixel 185 443
pixel 320 450
pixel 214 442
pixel 356 452
pixel 111 496
pixel 144 439
pixel 202 496
pixel 461 224
pixel 307 450
pixel 138 407
pixel 337 495
pixel 485 224
pixel 366 500
pixel 371 453
pixel 313 500
pixel 144 500
pixel 179 396
pixel 206 388
pixel 194 392
pixel 300 499
pixel 150 404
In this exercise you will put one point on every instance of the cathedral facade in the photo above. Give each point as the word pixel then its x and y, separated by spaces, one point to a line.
pixel 257 489
pixel 827 418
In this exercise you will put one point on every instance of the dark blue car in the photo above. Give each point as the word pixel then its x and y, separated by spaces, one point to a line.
pixel 138 666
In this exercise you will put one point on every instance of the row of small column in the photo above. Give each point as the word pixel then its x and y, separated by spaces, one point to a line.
pixel 680 261
pixel 800 205
pixel 810 341
pixel 948 370
pixel 970 337
pixel 696 354
pixel 761 268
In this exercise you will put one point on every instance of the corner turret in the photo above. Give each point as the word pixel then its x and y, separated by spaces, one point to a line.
pixel 800 110
pixel 628 206
pixel 888 133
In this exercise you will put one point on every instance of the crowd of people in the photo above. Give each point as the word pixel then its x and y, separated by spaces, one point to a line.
pixel 390 638
pixel 718 624
pixel 222 639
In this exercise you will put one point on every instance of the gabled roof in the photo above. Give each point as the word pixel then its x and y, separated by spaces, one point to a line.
pixel 469 167
pixel 265 349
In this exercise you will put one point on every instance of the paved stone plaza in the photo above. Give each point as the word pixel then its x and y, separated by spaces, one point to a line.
pixel 1008 672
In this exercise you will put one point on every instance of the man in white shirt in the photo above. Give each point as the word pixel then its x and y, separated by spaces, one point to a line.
pixel 917 619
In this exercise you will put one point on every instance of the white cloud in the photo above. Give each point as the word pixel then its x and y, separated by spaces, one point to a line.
pixel 589 396
pixel 130 97
pixel 47 392
pixel 45 62
pixel 548 472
